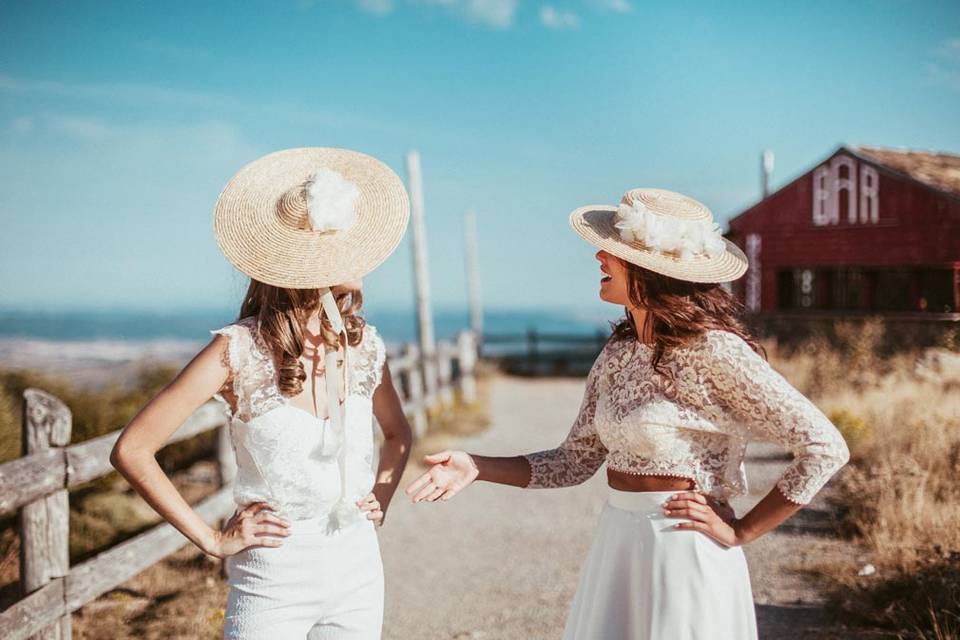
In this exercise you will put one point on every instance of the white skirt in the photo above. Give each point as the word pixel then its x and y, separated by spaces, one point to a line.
pixel 645 580
pixel 316 585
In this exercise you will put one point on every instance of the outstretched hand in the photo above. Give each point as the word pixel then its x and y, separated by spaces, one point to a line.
pixel 450 473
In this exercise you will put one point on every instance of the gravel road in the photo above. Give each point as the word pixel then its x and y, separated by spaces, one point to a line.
pixel 502 563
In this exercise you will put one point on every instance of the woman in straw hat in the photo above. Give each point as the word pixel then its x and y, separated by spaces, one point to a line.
pixel 670 404
pixel 302 375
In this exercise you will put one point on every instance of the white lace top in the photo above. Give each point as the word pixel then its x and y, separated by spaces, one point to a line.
pixel 697 426
pixel 286 456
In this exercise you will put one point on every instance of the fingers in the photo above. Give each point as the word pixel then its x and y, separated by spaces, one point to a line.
pixel 437 458
pixel 436 494
pixel 270 529
pixel 265 516
pixel 693 525
pixel 370 503
pixel 696 496
pixel 376 516
pixel 417 485
pixel 425 491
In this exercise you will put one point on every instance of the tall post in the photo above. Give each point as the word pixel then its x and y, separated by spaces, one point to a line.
pixel 467 361
pixel 415 391
pixel 45 522
pixel 421 274
pixel 766 171
pixel 473 273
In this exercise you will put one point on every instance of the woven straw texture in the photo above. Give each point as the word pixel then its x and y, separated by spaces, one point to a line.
pixel 595 224
pixel 262 226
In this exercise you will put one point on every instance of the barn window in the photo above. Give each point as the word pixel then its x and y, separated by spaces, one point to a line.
pixel 869 188
pixel 843 194
pixel 821 193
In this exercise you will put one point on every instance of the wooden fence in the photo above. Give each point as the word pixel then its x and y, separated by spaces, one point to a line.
pixel 37 484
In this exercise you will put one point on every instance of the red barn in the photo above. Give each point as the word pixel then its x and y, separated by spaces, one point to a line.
pixel 867 230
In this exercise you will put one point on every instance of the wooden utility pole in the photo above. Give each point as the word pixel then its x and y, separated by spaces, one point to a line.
pixel 421 274
pixel 473 274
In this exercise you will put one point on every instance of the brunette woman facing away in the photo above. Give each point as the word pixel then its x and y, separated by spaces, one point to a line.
pixel 303 375
pixel 671 402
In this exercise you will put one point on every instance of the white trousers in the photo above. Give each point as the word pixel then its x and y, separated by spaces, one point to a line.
pixel 645 580
pixel 316 585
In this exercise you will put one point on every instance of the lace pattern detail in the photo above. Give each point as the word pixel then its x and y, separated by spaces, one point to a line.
pixel 580 454
pixel 254 375
pixel 285 455
pixel 696 425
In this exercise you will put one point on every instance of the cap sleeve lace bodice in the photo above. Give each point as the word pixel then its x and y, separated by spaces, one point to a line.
pixel 694 426
pixel 286 456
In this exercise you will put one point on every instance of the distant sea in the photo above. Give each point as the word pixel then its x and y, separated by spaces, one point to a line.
pixel 93 345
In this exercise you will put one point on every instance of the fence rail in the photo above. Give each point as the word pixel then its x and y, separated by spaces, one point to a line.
pixel 537 353
pixel 37 485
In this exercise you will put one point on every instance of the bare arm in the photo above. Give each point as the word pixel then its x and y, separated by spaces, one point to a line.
pixel 575 460
pixel 134 454
pixel 397 438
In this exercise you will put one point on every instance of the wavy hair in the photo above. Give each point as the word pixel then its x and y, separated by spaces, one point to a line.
pixel 281 316
pixel 680 311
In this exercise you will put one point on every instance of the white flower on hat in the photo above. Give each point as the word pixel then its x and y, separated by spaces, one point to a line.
pixel 687 238
pixel 331 201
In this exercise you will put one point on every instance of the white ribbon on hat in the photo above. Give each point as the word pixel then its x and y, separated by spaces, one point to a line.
pixel 337 410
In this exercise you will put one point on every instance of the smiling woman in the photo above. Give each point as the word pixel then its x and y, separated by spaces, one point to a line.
pixel 669 405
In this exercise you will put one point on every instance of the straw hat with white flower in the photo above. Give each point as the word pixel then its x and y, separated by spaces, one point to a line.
pixel 312 218
pixel 663 231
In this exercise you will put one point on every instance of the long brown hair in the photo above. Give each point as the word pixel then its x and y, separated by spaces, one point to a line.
pixel 282 314
pixel 679 310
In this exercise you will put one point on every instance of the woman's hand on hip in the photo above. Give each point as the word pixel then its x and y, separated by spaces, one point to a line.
pixel 252 526
pixel 706 515
pixel 371 507
pixel 452 471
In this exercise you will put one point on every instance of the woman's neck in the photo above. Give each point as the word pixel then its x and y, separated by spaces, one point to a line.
pixel 643 323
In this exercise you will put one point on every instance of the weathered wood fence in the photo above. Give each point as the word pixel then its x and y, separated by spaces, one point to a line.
pixel 37 484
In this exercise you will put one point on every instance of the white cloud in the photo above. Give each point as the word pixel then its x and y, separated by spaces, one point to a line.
pixel 499 14
pixel 376 7
pixel 617 6
pixel 557 19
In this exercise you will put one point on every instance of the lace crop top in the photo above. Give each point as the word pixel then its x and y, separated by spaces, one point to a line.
pixel 286 456
pixel 696 426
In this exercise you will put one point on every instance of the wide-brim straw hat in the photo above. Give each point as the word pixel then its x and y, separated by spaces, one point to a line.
pixel 266 218
pixel 666 210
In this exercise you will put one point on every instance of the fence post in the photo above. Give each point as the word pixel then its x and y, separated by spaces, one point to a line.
pixel 45 523
pixel 445 372
pixel 467 358
pixel 415 389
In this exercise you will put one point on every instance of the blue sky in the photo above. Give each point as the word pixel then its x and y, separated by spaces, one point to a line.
pixel 121 121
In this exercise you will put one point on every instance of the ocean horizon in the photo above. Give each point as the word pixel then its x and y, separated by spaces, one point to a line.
pixel 92 345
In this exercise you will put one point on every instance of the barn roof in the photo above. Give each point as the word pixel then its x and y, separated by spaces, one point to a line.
pixel 934 168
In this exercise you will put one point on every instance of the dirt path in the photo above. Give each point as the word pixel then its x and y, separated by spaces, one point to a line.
pixel 501 563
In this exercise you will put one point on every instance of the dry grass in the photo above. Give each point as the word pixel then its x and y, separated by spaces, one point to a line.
pixel 900 495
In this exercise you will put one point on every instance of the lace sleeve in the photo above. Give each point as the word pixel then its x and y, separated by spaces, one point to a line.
pixel 763 403
pixel 235 359
pixel 580 455
pixel 367 368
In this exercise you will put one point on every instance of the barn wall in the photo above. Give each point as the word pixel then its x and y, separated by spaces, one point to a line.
pixel 918 226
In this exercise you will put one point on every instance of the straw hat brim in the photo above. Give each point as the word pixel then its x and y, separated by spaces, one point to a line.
pixel 254 238
pixel 595 224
